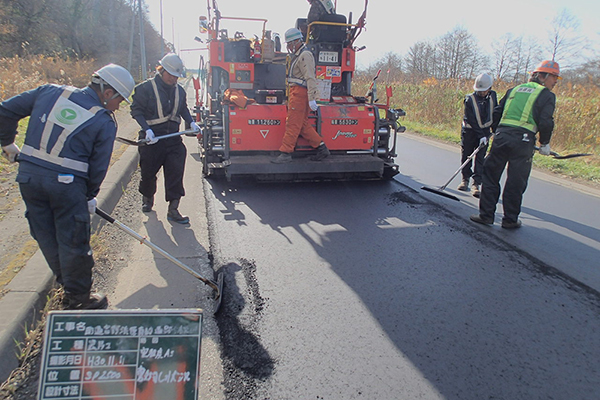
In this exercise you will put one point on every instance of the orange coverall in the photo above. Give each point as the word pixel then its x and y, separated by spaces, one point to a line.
pixel 296 123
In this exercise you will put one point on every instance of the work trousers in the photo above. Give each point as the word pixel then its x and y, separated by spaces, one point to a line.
pixel 169 155
pixel 60 222
pixel 469 141
pixel 516 150
pixel 297 123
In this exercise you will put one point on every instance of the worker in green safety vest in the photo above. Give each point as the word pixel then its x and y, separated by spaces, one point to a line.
pixel 523 112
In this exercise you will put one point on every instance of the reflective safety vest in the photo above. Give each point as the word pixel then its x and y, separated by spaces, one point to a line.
pixel 65 119
pixel 518 109
pixel 290 75
pixel 174 116
pixel 481 124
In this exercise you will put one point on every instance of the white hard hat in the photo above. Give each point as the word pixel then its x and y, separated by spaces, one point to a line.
pixel 117 77
pixel 173 64
pixel 483 82
pixel 292 34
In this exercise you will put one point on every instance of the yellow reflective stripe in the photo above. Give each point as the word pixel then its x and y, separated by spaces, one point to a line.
pixel 161 116
pixel 478 115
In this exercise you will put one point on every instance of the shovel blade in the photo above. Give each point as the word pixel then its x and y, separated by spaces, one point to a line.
pixel 219 292
pixel 440 192
pixel 130 142
pixel 567 156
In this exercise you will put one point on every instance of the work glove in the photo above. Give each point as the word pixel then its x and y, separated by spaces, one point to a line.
pixel 194 126
pixel 10 152
pixel 150 136
pixel 545 149
pixel 92 204
pixel 483 141
pixel 313 105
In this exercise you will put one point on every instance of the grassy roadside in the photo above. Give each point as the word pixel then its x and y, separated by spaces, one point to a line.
pixel 585 170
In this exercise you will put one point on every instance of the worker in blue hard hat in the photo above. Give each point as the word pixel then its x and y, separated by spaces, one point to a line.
pixel 302 98
pixel 63 161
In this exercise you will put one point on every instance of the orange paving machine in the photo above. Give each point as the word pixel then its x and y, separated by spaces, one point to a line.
pixel 243 116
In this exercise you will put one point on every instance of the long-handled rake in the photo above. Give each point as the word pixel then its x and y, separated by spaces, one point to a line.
pixel 144 142
pixel 216 285
pixel 441 189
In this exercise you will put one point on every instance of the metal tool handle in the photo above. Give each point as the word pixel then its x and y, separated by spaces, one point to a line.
pixel 469 158
pixel 154 247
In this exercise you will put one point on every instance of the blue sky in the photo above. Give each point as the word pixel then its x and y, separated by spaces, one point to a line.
pixel 391 26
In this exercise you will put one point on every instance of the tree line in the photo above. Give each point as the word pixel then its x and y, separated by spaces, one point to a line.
pixel 457 55
pixel 103 30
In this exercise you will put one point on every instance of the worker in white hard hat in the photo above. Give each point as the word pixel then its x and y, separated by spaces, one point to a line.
pixel 476 129
pixel 525 111
pixel 159 105
pixel 63 161
pixel 302 99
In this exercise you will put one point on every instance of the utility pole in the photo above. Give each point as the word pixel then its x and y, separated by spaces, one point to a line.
pixel 132 32
pixel 142 42
pixel 162 36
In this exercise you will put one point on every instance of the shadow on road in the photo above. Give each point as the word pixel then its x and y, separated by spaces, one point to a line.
pixel 475 317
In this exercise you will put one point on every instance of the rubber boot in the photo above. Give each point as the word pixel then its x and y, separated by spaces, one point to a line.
pixel 85 301
pixel 322 153
pixel 147 203
pixel 174 215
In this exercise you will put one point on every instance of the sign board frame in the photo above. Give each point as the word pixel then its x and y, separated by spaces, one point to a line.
pixel 121 355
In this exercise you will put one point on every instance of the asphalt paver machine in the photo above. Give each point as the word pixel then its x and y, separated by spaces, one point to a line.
pixel 243 114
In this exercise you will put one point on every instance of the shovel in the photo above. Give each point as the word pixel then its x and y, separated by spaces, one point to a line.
pixel 441 189
pixel 566 156
pixel 217 285
pixel 144 142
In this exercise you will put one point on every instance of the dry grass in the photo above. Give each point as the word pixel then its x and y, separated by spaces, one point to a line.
pixel 436 107
pixel 21 74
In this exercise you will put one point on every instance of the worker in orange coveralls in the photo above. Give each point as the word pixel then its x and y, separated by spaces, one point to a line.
pixel 302 98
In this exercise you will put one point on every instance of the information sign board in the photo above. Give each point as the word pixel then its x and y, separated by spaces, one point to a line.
pixel 121 355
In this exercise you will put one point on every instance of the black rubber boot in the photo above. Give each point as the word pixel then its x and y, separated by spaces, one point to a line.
pixel 85 301
pixel 147 203
pixel 322 153
pixel 174 215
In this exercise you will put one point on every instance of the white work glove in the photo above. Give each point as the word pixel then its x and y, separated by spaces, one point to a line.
pixel 92 204
pixel 10 152
pixel 483 141
pixel 150 136
pixel 313 105
pixel 194 126
pixel 545 149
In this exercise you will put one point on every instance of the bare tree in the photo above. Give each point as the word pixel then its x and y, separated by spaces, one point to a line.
pixel 565 41
pixel 504 52
pixel 458 55
pixel 420 60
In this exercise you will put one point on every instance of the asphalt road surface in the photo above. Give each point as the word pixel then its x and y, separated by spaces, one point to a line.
pixel 372 290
